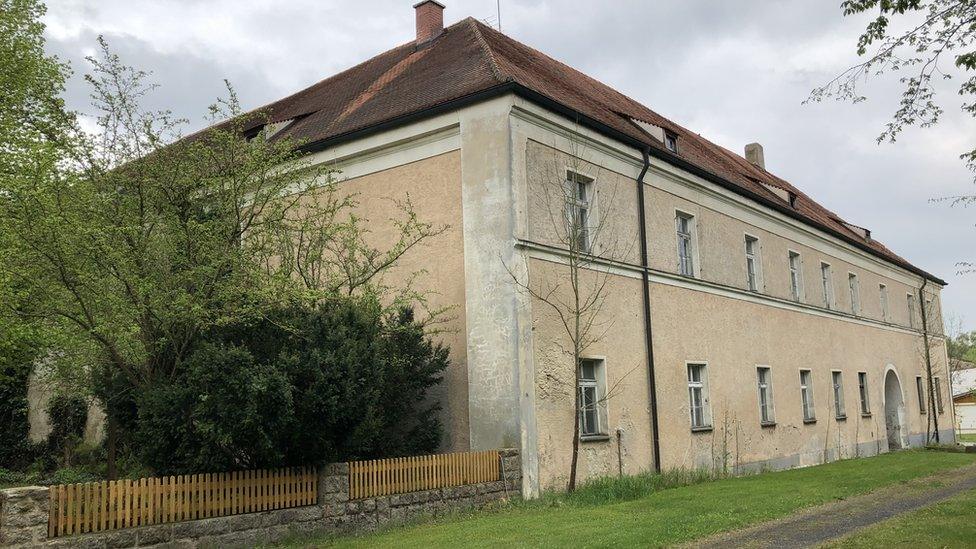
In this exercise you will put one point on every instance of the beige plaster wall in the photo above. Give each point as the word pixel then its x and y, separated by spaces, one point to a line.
pixel 731 329
pixel 434 188
pixel 613 213
pixel 720 251
pixel 733 337
pixel 619 329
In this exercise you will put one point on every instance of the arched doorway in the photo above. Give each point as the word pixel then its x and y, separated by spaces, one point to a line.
pixel 894 408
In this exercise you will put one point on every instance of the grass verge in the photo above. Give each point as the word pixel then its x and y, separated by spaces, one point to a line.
pixel 647 512
pixel 951 523
pixel 971 437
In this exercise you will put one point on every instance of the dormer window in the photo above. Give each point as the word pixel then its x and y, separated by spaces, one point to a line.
pixel 671 141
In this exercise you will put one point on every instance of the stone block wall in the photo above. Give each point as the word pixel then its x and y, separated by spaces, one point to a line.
pixel 24 515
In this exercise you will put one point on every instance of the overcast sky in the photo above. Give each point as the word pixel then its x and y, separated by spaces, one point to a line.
pixel 736 72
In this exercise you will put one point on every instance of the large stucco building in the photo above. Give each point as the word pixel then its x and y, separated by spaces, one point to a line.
pixel 746 326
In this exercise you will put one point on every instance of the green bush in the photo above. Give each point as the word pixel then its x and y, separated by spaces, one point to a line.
pixel 305 385
pixel 16 359
pixel 225 411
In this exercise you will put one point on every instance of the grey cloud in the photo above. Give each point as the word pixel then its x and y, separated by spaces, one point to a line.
pixel 734 71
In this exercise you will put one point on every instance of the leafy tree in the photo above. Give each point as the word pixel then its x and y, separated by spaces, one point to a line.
pixel 938 43
pixel 33 122
pixel 33 129
pixel 138 241
pixel 962 347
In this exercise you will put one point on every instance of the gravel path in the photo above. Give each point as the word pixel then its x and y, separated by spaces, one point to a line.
pixel 814 526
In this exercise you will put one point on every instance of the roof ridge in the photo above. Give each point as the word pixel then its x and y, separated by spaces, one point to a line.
pixel 492 62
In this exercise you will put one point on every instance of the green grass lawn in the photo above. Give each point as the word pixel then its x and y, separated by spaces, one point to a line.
pixel 968 438
pixel 661 517
pixel 951 523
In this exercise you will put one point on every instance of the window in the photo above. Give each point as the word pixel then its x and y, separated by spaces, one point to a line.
pixel 920 387
pixel 671 141
pixel 911 311
pixel 855 289
pixel 883 297
pixel 937 385
pixel 796 276
pixel 862 389
pixel 827 284
pixel 701 417
pixel 686 248
pixel 806 396
pixel 764 379
pixel 753 264
pixel 580 190
pixel 838 382
pixel 592 389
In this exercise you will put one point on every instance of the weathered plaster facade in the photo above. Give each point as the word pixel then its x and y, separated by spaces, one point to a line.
pixel 482 171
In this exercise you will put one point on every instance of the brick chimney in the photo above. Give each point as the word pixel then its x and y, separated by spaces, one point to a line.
pixel 754 154
pixel 430 20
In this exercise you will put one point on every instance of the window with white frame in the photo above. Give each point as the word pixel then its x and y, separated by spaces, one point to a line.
pixel 920 388
pixel 592 392
pixel 806 396
pixel 937 386
pixel 701 416
pixel 753 264
pixel 685 228
pixel 854 287
pixel 862 389
pixel 837 379
pixel 796 276
pixel 883 297
pixel 911 310
pixel 579 206
pixel 764 380
pixel 827 285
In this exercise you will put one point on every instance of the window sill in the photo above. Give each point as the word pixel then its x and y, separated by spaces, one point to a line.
pixel 767 424
pixel 702 429
pixel 809 421
pixel 841 418
pixel 868 414
pixel 594 438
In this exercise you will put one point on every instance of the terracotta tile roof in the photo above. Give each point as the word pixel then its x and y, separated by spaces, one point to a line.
pixel 470 58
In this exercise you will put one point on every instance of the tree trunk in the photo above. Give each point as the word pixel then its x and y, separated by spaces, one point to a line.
pixel 576 435
pixel 933 408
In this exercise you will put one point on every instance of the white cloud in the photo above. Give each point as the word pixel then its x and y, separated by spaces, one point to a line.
pixel 733 71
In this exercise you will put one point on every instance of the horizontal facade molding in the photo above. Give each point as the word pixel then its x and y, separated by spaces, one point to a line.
pixel 553 254
pixel 396 148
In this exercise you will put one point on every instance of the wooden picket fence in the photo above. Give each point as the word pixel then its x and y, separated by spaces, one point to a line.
pixel 382 477
pixel 112 505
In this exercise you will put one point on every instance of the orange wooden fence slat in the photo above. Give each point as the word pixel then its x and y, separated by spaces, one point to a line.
pixel 112 505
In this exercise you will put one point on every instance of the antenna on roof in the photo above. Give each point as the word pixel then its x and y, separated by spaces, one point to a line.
pixel 498 9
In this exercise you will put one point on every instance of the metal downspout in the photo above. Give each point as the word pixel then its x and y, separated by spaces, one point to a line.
pixel 645 280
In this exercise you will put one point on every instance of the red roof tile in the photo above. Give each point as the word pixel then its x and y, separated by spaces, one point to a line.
pixel 470 57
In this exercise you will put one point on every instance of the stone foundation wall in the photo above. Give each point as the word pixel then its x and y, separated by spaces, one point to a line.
pixel 24 515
